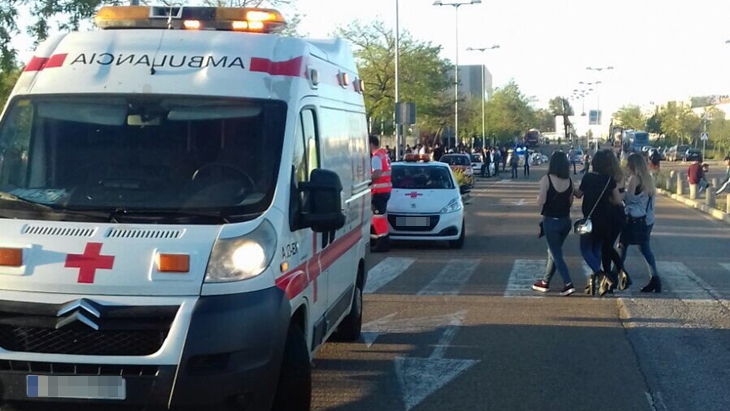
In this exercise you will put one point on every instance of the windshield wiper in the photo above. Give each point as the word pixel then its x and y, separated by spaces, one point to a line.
pixel 12 197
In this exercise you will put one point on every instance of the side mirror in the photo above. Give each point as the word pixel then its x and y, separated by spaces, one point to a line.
pixel 323 199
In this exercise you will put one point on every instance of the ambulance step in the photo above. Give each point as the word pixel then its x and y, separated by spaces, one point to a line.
pixel 58 231
pixel 145 233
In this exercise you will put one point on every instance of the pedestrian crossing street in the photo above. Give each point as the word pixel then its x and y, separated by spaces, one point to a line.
pixel 454 276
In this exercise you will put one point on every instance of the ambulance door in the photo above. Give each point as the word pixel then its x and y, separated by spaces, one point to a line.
pixel 308 144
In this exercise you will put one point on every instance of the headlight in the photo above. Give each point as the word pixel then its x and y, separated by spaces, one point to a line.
pixel 240 258
pixel 453 206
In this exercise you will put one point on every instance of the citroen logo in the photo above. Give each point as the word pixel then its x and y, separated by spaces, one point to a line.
pixel 83 311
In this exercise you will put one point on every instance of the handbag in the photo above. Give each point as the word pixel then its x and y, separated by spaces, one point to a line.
pixel 584 225
pixel 636 231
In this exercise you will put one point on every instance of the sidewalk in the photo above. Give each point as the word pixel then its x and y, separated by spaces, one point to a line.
pixel 698 204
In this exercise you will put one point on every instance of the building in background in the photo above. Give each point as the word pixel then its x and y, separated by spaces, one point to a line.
pixel 470 81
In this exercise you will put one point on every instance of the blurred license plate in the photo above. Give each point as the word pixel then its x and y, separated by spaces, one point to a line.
pixel 76 386
pixel 413 221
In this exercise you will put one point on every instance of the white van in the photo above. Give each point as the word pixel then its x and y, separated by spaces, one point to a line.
pixel 185 212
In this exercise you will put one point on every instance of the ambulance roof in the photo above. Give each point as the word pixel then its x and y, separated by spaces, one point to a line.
pixel 189 62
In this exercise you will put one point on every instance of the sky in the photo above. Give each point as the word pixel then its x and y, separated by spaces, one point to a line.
pixel 660 50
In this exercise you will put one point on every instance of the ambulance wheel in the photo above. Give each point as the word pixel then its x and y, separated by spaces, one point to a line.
pixel 459 243
pixel 349 329
pixel 294 390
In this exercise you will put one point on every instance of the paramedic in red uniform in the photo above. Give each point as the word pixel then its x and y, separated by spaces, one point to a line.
pixel 381 188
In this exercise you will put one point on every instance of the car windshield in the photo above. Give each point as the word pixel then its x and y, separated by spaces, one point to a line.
pixel 421 177
pixel 456 160
pixel 142 153
pixel 476 158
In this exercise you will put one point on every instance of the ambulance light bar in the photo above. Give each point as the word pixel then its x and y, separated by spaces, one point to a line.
pixel 190 18
pixel 415 158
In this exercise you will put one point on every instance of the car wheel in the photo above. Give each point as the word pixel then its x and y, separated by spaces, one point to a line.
pixel 351 327
pixel 459 243
pixel 294 389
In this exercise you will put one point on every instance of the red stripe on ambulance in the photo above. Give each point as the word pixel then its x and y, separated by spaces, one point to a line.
pixel 40 63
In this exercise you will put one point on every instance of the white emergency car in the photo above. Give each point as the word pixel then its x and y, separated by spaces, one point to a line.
pixel 426 204
pixel 185 212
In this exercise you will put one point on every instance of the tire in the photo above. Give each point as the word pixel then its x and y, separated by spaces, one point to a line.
pixel 294 389
pixel 459 243
pixel 350 328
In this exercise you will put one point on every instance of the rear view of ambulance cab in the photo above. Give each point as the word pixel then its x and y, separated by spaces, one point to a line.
pixel 184 213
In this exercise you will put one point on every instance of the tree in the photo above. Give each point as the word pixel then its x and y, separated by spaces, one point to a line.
pixel 654 124
pixel 630 117
pixel 7 82
pixel 545 120
pixel 509 114
pixel 560 106
pixel 423 75
pixel 678 122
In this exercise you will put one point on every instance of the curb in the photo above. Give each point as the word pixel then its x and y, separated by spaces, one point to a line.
pixel 717 214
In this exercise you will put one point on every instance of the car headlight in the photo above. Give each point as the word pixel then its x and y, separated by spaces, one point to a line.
pixel 241 258
pixel 453 206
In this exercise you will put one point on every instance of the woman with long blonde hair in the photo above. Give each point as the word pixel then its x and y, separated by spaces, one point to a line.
pixel 639 198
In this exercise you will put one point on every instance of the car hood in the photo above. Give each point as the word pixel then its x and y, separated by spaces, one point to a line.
pixel 420 201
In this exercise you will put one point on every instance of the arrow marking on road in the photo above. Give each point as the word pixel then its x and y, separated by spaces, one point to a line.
pixel 387 325
pixel 385 272
pixel 421 377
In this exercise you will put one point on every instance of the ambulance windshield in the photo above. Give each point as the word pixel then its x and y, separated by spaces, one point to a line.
pixel 136 153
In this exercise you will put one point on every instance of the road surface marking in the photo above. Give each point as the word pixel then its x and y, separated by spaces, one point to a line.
pixel 725 266
pixel 421 377
pixel 684 283
pixel 524 274
pixel 388 325
pixel 452 278
pixel 521 202
pixel 385 272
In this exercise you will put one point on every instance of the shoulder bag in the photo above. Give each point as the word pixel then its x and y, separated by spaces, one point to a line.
pixel 584 225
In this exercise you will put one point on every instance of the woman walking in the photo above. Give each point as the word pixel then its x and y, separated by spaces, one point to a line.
pixel 556 198
pixel 598 190
pixel 639 197
pixel 618 275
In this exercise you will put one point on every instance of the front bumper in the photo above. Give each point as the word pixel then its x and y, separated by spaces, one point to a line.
pixel 448 228
pixel 230 360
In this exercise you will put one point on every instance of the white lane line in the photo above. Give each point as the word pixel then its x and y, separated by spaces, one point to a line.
pixel 385 272
pixel 452 278
pixel 524 274
pixel 725 266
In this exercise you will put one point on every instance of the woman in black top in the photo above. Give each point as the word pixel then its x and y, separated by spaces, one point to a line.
pixel 609 254
pixel 599 191
pixel 556 198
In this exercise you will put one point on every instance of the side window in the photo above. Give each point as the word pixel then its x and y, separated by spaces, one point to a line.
pixel 299 160
pixel 309 125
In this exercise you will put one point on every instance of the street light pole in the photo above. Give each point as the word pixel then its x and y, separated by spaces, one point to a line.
pixel 484 90
pixel 456 6
pixel 598 97
pixel 397 82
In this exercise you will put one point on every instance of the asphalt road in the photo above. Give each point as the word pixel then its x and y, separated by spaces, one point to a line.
pixel 461 330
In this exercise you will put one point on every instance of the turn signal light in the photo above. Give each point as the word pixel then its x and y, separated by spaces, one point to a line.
pixel 191 24
pixel 11 257
pixel 173 263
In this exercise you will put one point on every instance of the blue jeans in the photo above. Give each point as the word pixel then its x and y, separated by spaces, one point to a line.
pixel 556 231
pixel 590 249
pixel 645 250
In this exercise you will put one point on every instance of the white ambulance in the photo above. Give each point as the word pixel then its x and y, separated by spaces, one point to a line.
pixel 185 212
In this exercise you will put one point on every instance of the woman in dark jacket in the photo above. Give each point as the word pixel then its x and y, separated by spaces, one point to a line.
pixel 609 254
pixel 599 192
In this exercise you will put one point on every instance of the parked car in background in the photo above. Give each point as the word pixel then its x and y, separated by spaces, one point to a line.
pixel 677 153
pixel 577 157
pixel 693 154
pixel 477 163
pixel 460 163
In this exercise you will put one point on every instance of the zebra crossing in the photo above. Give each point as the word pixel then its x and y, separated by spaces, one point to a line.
pixel 453 277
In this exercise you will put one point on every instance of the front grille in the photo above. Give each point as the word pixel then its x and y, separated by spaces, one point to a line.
pixel 395 221
pixel 36 367
pixel 84 329
pixel 81 341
